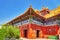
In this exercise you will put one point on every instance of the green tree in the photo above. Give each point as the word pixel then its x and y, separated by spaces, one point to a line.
pixel 9 31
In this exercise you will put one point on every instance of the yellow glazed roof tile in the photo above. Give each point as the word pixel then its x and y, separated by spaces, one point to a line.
pixel 53 13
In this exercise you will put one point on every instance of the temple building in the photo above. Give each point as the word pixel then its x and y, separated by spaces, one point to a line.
pixel 38 23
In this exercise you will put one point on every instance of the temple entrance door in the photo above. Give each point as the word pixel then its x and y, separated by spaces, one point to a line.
pixel 37 33
pixel 25 33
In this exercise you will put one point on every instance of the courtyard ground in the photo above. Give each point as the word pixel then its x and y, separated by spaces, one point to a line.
pixel 37 39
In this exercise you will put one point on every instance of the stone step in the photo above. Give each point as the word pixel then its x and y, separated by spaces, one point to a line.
pixel 37 39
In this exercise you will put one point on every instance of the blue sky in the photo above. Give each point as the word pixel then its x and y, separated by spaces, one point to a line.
pixel 9 9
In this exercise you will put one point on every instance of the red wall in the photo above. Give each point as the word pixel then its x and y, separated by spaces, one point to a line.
pixel 48 30
pixel 33 27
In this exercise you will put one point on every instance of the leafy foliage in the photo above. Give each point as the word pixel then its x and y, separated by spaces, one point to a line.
pixel 9 31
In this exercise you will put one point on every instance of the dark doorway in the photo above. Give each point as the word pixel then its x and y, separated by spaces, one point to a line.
pixel 58 37
pixel 25 33
pixel 37 33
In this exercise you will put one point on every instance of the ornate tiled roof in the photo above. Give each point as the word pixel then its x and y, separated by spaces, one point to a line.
pixel 49 14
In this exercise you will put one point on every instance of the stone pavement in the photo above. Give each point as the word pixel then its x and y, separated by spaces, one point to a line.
pixel 37 39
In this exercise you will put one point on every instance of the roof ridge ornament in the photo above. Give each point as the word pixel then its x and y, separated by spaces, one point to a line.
pixel 30 6
pixel 43 7
pixel 58 7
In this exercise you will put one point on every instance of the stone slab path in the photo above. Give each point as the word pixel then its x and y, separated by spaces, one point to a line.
pixel 37 39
